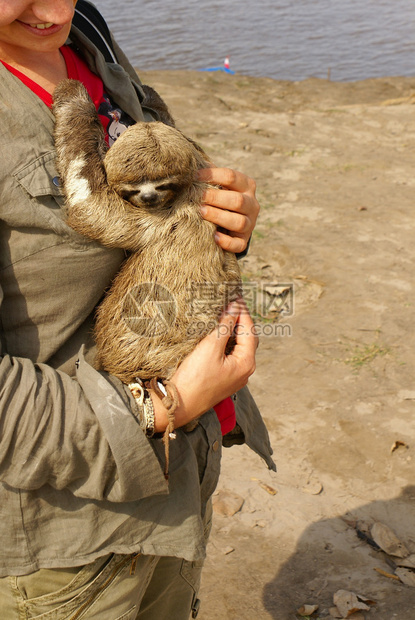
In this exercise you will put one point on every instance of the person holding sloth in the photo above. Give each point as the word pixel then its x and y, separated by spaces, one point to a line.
pixel 89 527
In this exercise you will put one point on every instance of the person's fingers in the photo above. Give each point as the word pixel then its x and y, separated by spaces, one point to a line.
pixel 245 333
pixel 231 179
pixel 235 222
pixel 233 207
pixel 227 199
pixel 231 243
pixel 226 325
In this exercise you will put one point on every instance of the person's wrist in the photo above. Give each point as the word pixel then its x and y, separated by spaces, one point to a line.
pixel 185 411
pixel 164 394
pixel 160 413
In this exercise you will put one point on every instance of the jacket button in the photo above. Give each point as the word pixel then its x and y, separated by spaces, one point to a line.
pixel 56 181
pixel 195 608
pixel 215 446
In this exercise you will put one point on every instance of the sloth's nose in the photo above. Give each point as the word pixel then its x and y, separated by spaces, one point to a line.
pixel 149 197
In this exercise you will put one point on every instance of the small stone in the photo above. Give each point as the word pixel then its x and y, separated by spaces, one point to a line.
pixel 313 487
pixel 227 503
pixel 307 610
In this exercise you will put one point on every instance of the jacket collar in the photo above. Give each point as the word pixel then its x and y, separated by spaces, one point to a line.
pixel 118 84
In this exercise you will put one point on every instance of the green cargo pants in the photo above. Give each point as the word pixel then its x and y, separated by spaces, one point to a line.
pixel 116 587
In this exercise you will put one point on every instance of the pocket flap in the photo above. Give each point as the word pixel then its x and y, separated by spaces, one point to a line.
pixel 40 178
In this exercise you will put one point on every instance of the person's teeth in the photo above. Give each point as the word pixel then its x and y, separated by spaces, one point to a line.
pixel 42 26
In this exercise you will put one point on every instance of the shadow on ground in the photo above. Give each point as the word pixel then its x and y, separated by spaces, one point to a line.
pixel 329 556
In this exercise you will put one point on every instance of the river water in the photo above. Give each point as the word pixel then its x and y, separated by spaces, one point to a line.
pixel 282 39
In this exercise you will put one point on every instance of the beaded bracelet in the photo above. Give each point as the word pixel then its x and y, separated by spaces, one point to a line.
pixel 168 395
pixel 145 406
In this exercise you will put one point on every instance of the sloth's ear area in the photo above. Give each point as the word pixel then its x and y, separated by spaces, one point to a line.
pixel 203 159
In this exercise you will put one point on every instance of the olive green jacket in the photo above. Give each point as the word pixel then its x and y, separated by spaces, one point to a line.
pixel 78 477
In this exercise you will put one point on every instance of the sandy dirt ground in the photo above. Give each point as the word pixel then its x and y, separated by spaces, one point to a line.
pixel 334 165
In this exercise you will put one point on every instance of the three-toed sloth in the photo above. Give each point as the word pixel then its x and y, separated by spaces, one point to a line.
pixel 142 195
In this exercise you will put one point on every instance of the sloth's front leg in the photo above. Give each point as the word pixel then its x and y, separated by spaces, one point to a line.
pixel 91 208
pixel 79 138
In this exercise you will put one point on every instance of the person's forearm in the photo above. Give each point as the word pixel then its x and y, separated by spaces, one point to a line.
pixel 75 434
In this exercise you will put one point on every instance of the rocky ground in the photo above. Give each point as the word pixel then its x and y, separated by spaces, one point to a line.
pixel 334 164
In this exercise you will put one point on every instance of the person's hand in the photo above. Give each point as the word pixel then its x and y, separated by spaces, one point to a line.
pixel 207 375
pixel 234 207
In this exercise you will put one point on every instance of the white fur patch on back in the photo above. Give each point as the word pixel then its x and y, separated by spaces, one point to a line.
pixel 77 187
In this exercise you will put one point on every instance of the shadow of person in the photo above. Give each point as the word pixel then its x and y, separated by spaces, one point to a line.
pixel 330 556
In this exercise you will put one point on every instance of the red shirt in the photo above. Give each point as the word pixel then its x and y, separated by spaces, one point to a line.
pixel 225 410
pixel 113 119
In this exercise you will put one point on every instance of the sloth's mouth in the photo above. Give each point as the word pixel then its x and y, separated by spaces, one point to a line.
pixel 138 200
pixel 152 206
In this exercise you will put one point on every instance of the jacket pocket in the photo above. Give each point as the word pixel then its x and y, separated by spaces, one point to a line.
pixel 40 178
pixel 44 207
pixel 75 599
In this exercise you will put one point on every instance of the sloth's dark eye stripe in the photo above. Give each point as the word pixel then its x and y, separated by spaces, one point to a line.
pixel 168 186
pixel 127 194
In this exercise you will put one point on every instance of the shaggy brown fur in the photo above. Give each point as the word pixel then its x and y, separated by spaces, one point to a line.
pixel 141 195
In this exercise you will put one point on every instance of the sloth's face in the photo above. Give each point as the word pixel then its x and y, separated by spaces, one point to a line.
pixel 150 194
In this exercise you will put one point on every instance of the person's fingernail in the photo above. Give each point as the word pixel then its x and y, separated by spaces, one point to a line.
pixel 203 210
